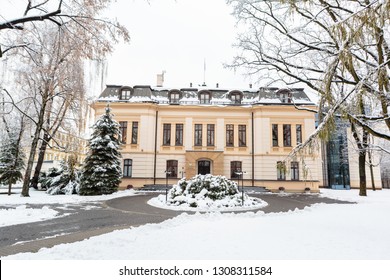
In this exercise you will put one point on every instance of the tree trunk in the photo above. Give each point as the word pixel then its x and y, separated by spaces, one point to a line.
pixel 362 173
pixel 362 149
pixel 41 157
pixel 9 188
pixel 371 171
pixel 27 175
pixel 34 145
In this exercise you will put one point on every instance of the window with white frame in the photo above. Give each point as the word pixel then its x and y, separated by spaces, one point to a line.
pixel 204 98
pixel 295 171
pixel 127 168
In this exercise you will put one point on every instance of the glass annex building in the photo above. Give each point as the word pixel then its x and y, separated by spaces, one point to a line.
pixel 335 155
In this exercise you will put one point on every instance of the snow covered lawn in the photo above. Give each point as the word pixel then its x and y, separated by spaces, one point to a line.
pixel 323 231
pixel 14 209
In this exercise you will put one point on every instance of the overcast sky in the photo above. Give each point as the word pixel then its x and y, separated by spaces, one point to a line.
pixel 176 36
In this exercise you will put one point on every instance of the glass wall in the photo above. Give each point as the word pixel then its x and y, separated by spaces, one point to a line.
pixel 337 158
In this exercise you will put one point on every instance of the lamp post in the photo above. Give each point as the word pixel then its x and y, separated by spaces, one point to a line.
pixel 241 173
pixel 167 173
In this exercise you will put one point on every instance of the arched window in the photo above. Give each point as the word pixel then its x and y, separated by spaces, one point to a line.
pixel 172 168
pixel 204 97
pixel 127 168
pixel 235 166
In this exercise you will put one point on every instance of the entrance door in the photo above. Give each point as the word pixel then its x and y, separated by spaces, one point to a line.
pixel 204 167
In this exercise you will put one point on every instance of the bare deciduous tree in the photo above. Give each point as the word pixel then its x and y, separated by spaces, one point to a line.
pixel 79 17
pixel 50 58
pixel 339 49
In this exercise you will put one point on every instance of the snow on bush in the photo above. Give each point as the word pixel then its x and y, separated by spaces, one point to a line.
pixel 65 180
pixel 206 192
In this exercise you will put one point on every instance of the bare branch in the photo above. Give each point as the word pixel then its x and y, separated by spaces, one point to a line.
pixel 13 24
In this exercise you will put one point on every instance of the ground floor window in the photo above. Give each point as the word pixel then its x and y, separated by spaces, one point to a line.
pixel 172 168
pixel 127 167
pixel 281 170
pixel 294 171
pixel 204 167
pixel 235 166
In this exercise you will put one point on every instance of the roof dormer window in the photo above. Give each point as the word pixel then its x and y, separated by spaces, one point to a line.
pixel 174 97
pixel 204 97
pixel 285 95
pixel 125 94
pixel 236 97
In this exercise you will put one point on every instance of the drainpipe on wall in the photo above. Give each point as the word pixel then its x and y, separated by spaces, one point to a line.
pixel 155 150
pixel 253 150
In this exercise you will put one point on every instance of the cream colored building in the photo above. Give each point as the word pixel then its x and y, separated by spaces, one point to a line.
pixel 203 130
pixel 62 147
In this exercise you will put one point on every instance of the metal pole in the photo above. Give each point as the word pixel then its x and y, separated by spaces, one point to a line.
pixel 166 185
pixel 253 150
pixel 155 149
pixel 242 179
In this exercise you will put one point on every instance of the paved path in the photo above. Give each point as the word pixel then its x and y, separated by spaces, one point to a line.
pixel 90 219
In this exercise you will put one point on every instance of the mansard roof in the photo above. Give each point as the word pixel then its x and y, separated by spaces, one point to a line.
pixel 190 96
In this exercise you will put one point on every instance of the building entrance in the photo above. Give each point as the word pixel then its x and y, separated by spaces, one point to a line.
pixel 204 167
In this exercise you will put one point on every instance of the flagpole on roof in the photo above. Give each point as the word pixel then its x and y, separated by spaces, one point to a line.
pixel 204 72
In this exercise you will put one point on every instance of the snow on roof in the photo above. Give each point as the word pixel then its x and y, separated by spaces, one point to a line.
pixel 190 96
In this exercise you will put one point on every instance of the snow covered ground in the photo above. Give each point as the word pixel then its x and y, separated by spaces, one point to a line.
pixel 323 231
pixel 209 205
pixel 16 209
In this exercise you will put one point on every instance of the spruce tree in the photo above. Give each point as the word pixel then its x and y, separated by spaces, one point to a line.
pixel 12 162
pixel 101 172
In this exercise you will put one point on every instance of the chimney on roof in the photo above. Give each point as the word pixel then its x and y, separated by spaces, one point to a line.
pixel 191 85
pixel 160 79
pixel 250 85
pixel 217 85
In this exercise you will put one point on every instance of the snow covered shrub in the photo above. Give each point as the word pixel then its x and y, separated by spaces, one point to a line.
pixel 209 186
pixel 207 192
pixel 46 178
pixel 65 180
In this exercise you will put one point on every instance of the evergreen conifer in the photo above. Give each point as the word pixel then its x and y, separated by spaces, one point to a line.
pixel 101 172
pixel 12 162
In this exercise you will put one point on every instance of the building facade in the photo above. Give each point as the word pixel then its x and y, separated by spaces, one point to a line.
pixel 61 148
pixel 245 135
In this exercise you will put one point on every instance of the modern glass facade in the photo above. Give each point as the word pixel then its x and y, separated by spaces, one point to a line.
pixel 337 158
